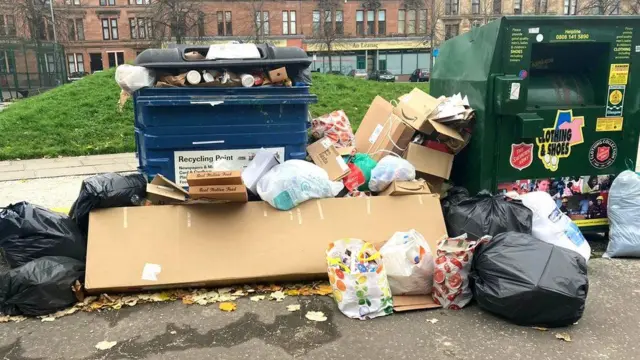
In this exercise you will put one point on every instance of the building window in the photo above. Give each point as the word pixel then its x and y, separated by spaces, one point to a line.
pixel 201 21
pixel 422 21
pixel 497 6
pixel 71 29
pixel 371 22
pixel 475 7
pixel 476 23
pixel 541 7
pixel 228 24
pixel 360 22
pixel 289 22
pixel 327 23
pixel 382 22
pixel 50 63
pixel 79 29
pixel 72 2
pixel 262 22
pixel 139 2
pixel 316 22
pixel 517 7
pixel 451 30
pixel 339 22
pixel 401 21
pixel 411 22
pixel 107 2
pixel 451 7
pixel 570 7
pixel 140 28
pixel 220 16
pixel 133 26
pixel 8 25
pixel 110 29
pixel 76 63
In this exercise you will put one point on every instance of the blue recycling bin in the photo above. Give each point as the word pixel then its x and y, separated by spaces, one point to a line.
pixel 185 129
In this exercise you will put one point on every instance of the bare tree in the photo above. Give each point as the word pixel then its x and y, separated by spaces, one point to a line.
pixel 598 7
pixel 435 29
pixel 260 21
pixel 175 19
pixel 329 31
pixel 36 21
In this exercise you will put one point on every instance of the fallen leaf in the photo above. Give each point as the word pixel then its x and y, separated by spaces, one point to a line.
pixel 540 328
pixel 59 314
pixel 225 290
pixel 239 293
pixel 293 308
pixel 228 306
pixel 316 316
pixel 78 291
pixel 257 298
pixel 323 290
pixel 292 292
pixel 564 337
pixel 105 345
pixel 187 301
pixel 173 332
pixel 227 297
pixel 277 296
pixel 16 319
pixel 433 321
pixel 129 300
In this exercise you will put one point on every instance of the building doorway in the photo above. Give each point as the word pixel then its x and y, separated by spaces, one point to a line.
pixel 115 58
pixel 95 62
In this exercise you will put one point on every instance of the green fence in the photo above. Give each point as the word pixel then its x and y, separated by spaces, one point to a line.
pixel 29 68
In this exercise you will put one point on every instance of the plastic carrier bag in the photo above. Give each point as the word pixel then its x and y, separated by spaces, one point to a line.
pixel 552 226
pixel 358 279
pixel 29 232
pixel 293 182
pixel 40 287
pixel 408 262
pixel 132 78
pixel 530 282
pixel 336 127
pixel 388 169
pixel 624 217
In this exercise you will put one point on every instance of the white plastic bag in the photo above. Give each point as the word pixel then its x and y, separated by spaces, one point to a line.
pixel 388 169
pixel 551 225
pixel 295 181
pixel 358 279
pixel 132 78
pixel 624 217
pixel 409 263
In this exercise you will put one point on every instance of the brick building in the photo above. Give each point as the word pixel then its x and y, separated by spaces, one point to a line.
pixel 396 35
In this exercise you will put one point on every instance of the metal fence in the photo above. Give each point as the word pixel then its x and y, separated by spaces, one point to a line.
pixel 29 68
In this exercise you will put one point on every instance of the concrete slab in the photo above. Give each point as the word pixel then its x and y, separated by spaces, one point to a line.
pixel 66 166
pixel 78 170
pixel 266 330
pixel 17 175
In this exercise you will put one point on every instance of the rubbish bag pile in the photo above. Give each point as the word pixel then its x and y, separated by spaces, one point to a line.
pixel 46 251
pixel 624 217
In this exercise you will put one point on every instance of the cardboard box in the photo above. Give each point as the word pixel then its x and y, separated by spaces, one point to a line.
pixel 278 75
pixel 428 161
pixel 382 131
pixel 154 247
pixel 235 193
pixel 417 108
pixel 325 155
pixel 202 178
pixel 398 188
pixel 162 191
pixel 413 302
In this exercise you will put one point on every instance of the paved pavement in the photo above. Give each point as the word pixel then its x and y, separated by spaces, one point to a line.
pixel 66 166
pixel 266 330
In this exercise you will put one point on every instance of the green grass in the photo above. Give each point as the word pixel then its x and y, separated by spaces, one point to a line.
pixel 82 118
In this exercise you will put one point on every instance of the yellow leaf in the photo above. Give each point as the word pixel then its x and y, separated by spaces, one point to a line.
pixel 228 306
pixel 105 345
pixel 292 292
pixel 564 337
pixel 187 300
pixel 323 290
pixel 306 291
pixel 316 316
pixel 540 328
pixel 293 308
pixel 17 319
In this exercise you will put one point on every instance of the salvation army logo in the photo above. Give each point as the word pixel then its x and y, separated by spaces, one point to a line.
pixel 603 153
pixel 521 156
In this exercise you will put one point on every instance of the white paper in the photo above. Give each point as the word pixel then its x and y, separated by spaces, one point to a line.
pixel 326 143
pixel 534 30
pixel 205 160
pixel 376 133
pixel 150 272
pixel 343 165
pixel 233 51
pixel 514 94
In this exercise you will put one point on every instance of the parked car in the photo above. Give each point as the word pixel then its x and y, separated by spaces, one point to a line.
pixel 382 75
pixel 75 76
pixel 420 75
pixel 358 73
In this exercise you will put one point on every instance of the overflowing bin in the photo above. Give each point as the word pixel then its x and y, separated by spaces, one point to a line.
pixel 556 104
pixel 184 129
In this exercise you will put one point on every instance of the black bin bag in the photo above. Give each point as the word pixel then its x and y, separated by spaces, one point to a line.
pixel 40 287
pixel 106 191
pixel 485 214
pixel 29 232
pixel 530 282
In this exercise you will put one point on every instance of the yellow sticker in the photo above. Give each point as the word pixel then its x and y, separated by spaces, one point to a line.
pixel 609 124
pixel 556 142
pixel 591 222
pixel 619 74
pixel 615 97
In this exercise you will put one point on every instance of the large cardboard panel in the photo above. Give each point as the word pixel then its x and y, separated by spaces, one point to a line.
pixel 428 161
pixel 152 247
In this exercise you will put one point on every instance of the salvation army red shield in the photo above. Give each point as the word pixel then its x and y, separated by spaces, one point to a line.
pixel 521 155
pixel 603 153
